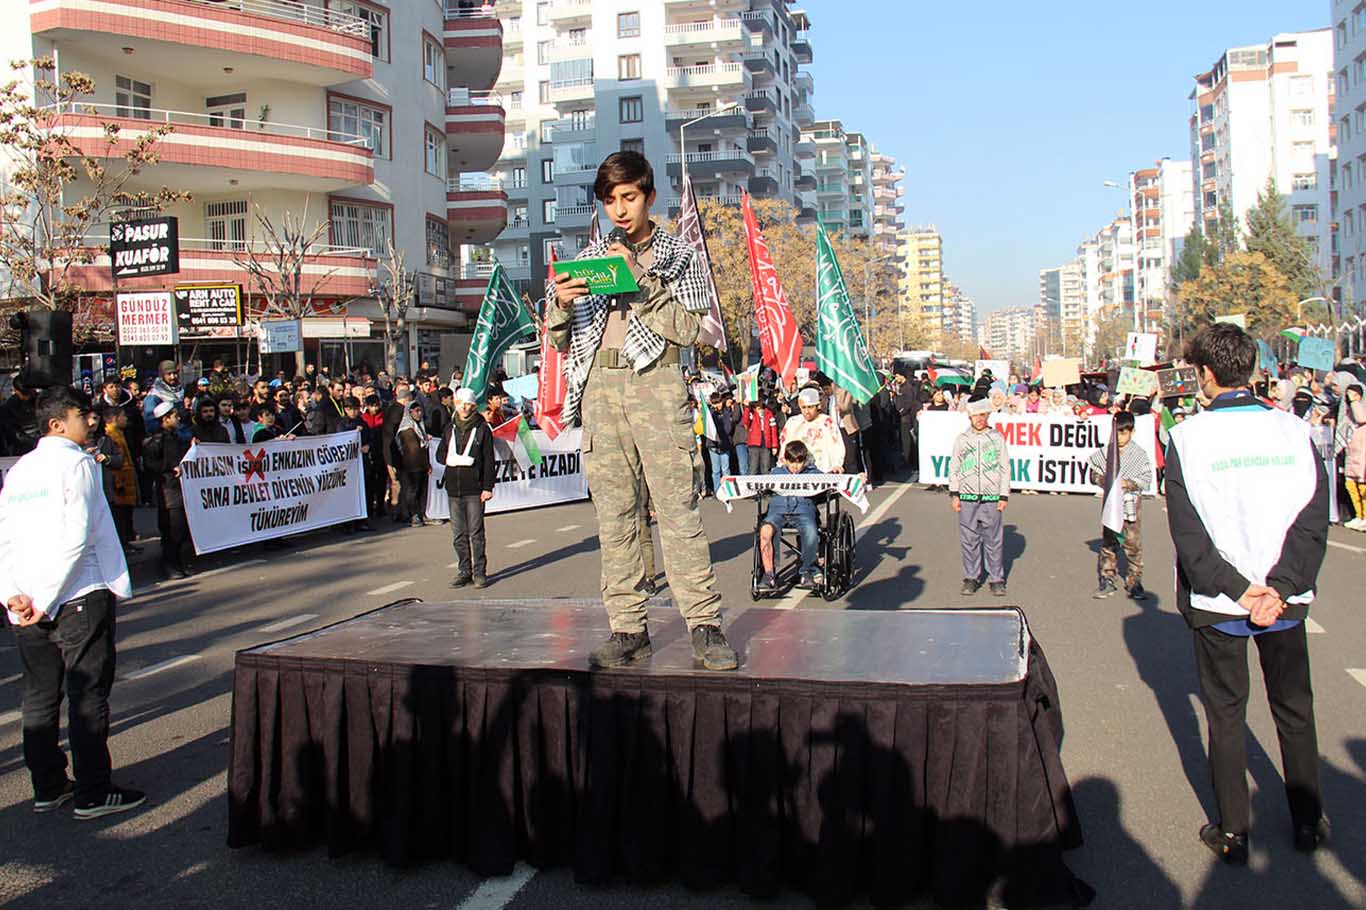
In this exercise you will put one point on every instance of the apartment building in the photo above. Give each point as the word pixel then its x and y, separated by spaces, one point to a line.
pixel 922 272
pixel 1049 307
pixel 1266 111
pixel 1349 101
pixel 1163 210
pixel 364 116
pixel 887 204
pixel 960 314
pixel 716 87
pixel 1009 334
pixel 844 169
pixel 1071 309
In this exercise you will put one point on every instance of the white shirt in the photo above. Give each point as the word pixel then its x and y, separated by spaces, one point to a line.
pixel 57 535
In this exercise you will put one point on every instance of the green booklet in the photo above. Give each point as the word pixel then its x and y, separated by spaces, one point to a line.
pixel 607 275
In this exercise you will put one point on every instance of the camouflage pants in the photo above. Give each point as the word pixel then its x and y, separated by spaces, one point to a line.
pixel 640 425
pixel 1108 561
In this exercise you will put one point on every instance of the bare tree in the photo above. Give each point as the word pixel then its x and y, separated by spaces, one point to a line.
pixel 58 189
pixel 395 292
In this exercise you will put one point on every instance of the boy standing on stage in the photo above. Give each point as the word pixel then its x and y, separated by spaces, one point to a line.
pixel 979 486
pixel 625 388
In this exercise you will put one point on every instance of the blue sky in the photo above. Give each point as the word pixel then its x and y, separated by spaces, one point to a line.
pixel 1008 120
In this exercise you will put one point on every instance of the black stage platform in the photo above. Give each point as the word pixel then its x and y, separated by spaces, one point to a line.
pixel 888 753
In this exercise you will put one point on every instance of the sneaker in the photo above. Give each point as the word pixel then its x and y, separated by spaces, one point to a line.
pixel 711 647
pixel 620 649
pixel 769 582
pixel 116 799
pixel 481 581
pixel 1307 837
pixel 818 579
pixel 460 581
pixel 805 583
pixel 1230 848
pixel 970 586
pixel 998 588
pixel 1137 592
pixel 46 802
pixel 1106 588
pixel 415 522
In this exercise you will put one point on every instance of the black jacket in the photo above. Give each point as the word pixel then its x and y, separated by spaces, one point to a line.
pixel 478 477
pixel 393 416
pixel 209 432
pixel 161 454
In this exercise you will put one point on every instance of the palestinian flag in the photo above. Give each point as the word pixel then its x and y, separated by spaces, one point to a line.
pixel 748 388
pixel 517 434
pixel 707 419
pixel 1112 512
pixel 1037 376
pixel 1294 334
pixel 729 489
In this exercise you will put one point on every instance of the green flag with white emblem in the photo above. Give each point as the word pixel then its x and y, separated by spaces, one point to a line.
pixel 841 352
pixel 502 321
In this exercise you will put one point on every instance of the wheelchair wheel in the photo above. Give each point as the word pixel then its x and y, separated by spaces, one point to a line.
pixel 830 550
pixel 758 572
pixel 847 545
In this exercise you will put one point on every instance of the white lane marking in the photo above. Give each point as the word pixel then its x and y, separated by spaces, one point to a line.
pixel 567 528
pixel 517 545
pixel 164 665
pixel 497 893
pixel 221 569
pixel 396 586
pixel 1312 627
pixel 10 717
pixel 11 679
pixel 286 623
pixel 1346 546
pixel 1357 674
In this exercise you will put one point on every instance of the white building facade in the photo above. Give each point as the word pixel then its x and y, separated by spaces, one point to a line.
pixel 1349 66
pixel 1163 200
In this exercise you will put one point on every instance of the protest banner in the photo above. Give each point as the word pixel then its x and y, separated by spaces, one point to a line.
pixel 1266 358
pixel 1046 452
pixel 558 478
pixel 1178 381
pixel 5 465
pixel 1238 319
pixel 1061 371
pixel 1141 347
pixel 1133 381
pixel 236 495
pixel 1000 369
pixel 1316 353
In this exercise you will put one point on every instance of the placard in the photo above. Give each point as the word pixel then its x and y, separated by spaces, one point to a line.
pixel 1133 381
pixel 1063 371
pixel 1316 353
pixel 145 318
pixel 279 336
pixel 1000 369
pixel 208 306
pixel 142 249
pixel 1238 319
pixel 558 478
pixel 1047 452
pixel 605 275
pixel 1266 358
pixel 1178 381
pixel 1141 347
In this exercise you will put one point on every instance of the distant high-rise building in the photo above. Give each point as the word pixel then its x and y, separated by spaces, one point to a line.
pixel 1349 103
pixel 1163 213
pixel 1050 302
pixel 887 205
pixel 1009 334
pixel 1071 309
pixel 844 177
pixel 922 282
pixel 960 314
pixel 1265 111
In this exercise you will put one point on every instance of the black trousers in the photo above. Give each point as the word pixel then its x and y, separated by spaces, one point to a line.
pixel 75 653
pixel 467 535
pixel 1221 661
pixel 175 537
pixel 123 523
pixel 909 450
pixel 412 495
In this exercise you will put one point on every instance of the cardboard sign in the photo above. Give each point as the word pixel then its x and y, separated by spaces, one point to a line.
pixel 1141 347
pixel 279 336
pixel 141 249
pixel 1061 372
pixel 208 306
pixel 1316 353
pixel 145 319
pixel 1180 381
pixel 1238 319
pixel 1000 369
pixel 608 275
pixel 1266 358
pixel 1133 381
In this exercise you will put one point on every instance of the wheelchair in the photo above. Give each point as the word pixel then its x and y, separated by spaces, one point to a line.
pixel 835 530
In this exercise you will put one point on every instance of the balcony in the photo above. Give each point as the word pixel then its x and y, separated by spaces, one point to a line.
pixel 571 13
pixel 514 147
pixel 511 75
pixel 758 20
pixel 675 203
pixel 574 129
pixel 475 126
pixel 341 271
pixel 203 155
pixel 711 164
pixel 804 149
pixel 801 48
pixel 275 40
pixel 762 142
pixel 517 229
pixel 476 208
pixel 764 183
pixel 804 83
pixel 832 189
pixel 473 36
pixel 709 77
pixel 572 91
pixel 761 101
pixel 691 7
pixel 734 119
pixel 719 34
pixel 512 34
pixel 760 64
pixel 577 173
pixel 806 214
pixel 803 114
pixel 574 216
pixel 805 182
pixel 571 47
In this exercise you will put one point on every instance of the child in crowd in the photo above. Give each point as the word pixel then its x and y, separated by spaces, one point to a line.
pixel 1135 472
pixel 791 511
pixel 979 486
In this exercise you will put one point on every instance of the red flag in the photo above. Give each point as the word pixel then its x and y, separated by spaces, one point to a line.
pixel 507 430
pixel 550 386
pixel 984 354
pixel 1038 371
pixel 779 338
pixel 933 374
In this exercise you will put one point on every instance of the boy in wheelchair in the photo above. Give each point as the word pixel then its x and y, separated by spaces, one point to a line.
pixel 792 511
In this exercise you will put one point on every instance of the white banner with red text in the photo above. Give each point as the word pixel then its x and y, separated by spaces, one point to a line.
pixel 558 478
pixel 1046 453
pixel 237 495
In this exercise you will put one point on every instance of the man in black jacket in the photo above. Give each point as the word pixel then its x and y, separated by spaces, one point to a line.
pixel 388 433
pixel 1247 502
pixel 467 452
pixel 906 401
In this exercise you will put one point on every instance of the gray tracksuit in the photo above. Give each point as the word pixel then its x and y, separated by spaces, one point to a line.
pixel 979 476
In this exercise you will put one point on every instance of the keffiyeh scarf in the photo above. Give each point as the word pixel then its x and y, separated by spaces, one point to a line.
pixel 680 271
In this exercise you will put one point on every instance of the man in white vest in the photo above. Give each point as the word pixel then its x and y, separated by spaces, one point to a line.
pixel 1247 502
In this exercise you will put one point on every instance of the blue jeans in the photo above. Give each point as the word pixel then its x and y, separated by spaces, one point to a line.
pixel 808 533
pixel 720 466
pixel 741 459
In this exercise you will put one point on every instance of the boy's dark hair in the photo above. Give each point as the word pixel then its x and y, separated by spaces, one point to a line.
pixel 445 392
pixel 371 399
pixel 796 450
pixel 1228 351
pixel 54 402
pixel 623 167
pixel 259 409
pixel 351 402
pixel 1124 421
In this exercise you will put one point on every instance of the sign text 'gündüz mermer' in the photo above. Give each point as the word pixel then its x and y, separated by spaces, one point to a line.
pixel 140 249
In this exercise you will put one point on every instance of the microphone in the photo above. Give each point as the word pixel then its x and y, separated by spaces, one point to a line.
pixel 617 235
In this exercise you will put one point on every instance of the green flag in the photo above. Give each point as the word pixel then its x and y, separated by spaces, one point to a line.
pixel 502 320
pixel 841 352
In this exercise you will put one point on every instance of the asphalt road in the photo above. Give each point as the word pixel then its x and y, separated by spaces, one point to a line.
pixel 1134 741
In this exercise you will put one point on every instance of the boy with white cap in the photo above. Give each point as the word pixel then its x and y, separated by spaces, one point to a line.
pixel 979 486
pixel 817 430
pixel 467 452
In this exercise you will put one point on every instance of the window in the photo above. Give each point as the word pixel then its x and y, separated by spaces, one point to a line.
pixel 548 171
pixel 543 13
pixel 543 52
pixel 356 224
pixel 1305 214
pixel 548 211
pixel 580 120
pixel 631 109
pixel 518 177
pixel 628 25
pixel 226 223
pixel 434 153
pixel 1301 86
pixel 543 91
pixel 378 20
pixel 547 131
pixel 514 101
pixel 438 243
pixel 433 61
pixel 132 98
pixel 355 119
pixel 518 216
pixel 633 145
pixel 1311 181
pixel 227 110
pixel 1302 118
pixel 628 66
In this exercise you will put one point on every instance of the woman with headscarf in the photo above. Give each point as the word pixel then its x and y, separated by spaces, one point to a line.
pixel 1349 442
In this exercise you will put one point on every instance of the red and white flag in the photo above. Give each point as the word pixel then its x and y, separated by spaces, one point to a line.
pixel 551 387
pixel 712 330
pixel 779 338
